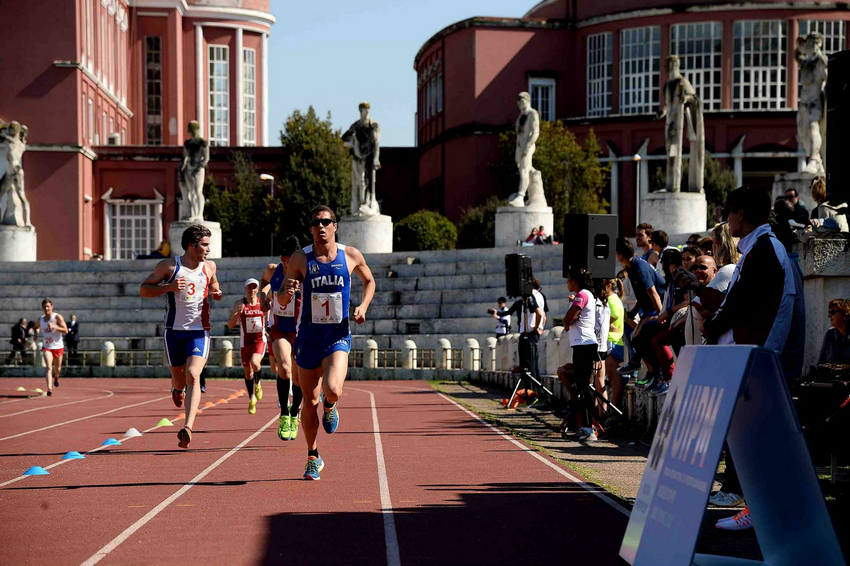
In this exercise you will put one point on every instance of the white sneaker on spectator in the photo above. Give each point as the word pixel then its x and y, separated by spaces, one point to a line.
pixel 740 522
pixel 721 499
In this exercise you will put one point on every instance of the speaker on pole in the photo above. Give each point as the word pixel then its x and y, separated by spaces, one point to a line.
pixel 837 126
pixel 590 244
pixel 519 280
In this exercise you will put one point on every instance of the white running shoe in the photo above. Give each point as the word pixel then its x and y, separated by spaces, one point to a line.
pixel 722 499
pixel 740 522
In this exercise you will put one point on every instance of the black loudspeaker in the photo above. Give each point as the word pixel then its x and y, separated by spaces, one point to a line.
pixel 838 124
pixel 589 244
pixel 519 281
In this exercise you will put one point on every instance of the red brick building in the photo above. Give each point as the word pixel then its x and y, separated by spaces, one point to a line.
pixel 87 74
pixel 600 65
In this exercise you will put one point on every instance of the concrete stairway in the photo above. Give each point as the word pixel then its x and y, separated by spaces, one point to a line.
pixel 421 295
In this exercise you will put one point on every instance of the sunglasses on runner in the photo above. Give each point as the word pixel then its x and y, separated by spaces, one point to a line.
pixel 323 221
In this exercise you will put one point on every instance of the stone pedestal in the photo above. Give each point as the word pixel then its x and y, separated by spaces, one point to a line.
pixel 675 213
pixel 17 243
pixel 515 223
pixel 802 182
pixel 175 234
pixel 370 235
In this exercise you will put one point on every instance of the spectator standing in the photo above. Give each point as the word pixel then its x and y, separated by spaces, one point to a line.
pixel 616 334
pixel 18 341
pixel 643 233
pixel 32 335
pixel 761 288
pixel 532 319
pixel 648 302
pixel 689 256
pixel 580 320
pixel 801 215
pixel 693 240
pixel 660 242
pixel 603 331
pixel 503 326
pixel 706 246
pixel 73 337
pixel 836 342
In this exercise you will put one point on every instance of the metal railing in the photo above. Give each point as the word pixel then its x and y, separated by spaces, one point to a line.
pixel 426 359
pixel 355 359
pixel 389 359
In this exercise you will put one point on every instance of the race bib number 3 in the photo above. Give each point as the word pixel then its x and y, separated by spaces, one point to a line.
pixel 192 292
pixel 326 308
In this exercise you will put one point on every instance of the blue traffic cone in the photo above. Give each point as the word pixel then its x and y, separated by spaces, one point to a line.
pixel 36 471
pixel 110 442
pixel 73 456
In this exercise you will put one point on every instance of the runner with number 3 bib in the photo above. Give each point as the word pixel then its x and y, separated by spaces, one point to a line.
pixel 323 337
pixel 186 282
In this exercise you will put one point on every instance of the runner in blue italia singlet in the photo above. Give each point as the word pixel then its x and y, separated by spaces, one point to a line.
pixel 323 337
pixel 323 323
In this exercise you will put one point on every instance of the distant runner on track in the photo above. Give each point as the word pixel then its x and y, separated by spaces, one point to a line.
pixel 53 328
pixel 186 282
pixel 250 314
pixel 323 338
pixel 282 323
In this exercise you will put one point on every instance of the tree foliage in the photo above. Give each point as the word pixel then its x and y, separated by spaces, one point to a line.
pixel 316 170
pixel 477 226
pixel 424 230
pixel 242 211
pixel 573 177
pixel 719 182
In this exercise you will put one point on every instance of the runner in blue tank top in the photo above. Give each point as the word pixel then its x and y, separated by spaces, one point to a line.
pixel 323 337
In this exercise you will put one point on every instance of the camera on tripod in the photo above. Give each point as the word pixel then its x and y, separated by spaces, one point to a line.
pixel 519 279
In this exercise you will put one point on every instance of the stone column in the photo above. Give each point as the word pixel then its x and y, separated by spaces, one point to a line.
pixel 408 360
pixel 369 234
pixel 370 354
pixel 107 355
pixel 472 355
pixel 239 94
pixel 502 353
pixel 444 350
pixel 226 353
pixel 553 349
pixel 490 364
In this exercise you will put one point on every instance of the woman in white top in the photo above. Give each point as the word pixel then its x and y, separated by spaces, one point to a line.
pixel 53 328
pixel 581 322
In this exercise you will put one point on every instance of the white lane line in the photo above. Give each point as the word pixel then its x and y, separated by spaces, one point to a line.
pixel 83 418
pixel 128 532
pixel 60 405
pixel 390 535
pixel 584 485
pixel 92 451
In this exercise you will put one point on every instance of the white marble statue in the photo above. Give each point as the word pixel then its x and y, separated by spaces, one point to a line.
pixel 196 155
pixel 363 139
pixel 811 117
pixel 14 206
pixel 527 132
pixel 682 106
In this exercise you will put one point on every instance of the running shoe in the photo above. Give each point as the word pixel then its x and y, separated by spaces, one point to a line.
pixel 330 421
pixel 646 379
pixel 293 428
pixel 314 466
pixel 723 499
pixel 659 389
pixel 283 428
pixel 651 384
pixel 203 388
pixel 740 522
pixel 184 437
pixel 50 393
pixel 587 434
pixel 55 382
pixel 252 406
pixel 258 391
pixel 177 396
pixel 628 367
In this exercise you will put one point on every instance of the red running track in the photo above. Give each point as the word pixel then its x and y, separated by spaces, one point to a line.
pixel 433 485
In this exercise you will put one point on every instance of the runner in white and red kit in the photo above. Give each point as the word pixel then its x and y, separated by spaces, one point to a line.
pixel 188 282
pixel 250 315
pixel 53 329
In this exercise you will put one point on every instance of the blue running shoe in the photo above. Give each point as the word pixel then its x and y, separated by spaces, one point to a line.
pixel 330 421
pixel 314 466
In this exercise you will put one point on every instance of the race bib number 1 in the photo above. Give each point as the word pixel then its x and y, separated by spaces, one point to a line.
pixel 326 308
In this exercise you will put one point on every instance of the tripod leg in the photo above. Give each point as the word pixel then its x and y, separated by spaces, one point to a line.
pixel 516 388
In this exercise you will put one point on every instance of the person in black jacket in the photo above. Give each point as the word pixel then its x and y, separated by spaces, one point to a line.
pixel 73 337
pixel 19 337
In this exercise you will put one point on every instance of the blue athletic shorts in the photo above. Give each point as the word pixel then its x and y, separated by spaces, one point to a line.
pixel 617 353
pixel 180 345
pixel 309 356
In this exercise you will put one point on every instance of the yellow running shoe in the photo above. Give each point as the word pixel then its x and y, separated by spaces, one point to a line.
pixel 293 427
pixel 252 406
pixel 258 391
pixel 283 428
